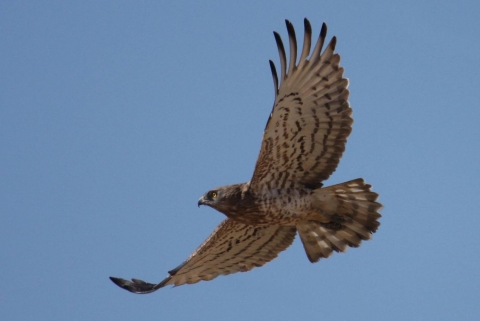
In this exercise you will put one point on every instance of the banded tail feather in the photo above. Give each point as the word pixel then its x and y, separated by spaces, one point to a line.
pixel 352 214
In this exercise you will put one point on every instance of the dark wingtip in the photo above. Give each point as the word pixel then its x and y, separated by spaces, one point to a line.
pixel 308 26
pixel 272 66
pixel 273 69
pixel 288 24
pixel 137 286
pixel 277 37
pixel 117 281
pixel 333 43
pixel 124 284
pixel 323 32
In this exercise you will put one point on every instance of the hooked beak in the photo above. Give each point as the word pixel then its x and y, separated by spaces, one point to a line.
pixel 201 201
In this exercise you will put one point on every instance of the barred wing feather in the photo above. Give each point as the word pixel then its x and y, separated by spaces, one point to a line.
pixel 232 247
pixel 307 130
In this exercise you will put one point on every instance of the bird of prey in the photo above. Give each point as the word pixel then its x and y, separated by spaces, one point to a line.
pixel 302 144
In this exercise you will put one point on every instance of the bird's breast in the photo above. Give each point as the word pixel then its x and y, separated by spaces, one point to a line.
pixel 274 207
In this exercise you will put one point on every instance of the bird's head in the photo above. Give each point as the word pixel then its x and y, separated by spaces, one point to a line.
pixel 212 197
pixel 224 199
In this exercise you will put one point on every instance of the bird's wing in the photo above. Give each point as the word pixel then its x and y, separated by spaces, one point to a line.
pixel 232 247
pixel 310 121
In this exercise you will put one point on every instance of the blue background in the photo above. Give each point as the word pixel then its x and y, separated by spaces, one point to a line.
pixel 116 116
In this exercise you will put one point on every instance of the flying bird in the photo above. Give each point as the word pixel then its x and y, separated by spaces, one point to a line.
pixel 302 144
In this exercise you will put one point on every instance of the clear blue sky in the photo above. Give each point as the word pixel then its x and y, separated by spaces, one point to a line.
pixel 115 117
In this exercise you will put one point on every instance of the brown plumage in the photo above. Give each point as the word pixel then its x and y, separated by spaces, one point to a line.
pixel 303 142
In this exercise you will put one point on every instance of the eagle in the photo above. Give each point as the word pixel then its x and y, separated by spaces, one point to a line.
pixel 302 144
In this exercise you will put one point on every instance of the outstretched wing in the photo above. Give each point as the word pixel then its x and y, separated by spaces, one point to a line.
pixel 231 248
pixel 307 130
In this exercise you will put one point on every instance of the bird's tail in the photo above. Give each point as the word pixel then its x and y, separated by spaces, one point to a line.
pixel 351 215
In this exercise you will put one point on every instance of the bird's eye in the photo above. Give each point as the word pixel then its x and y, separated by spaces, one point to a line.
pixel 214 194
